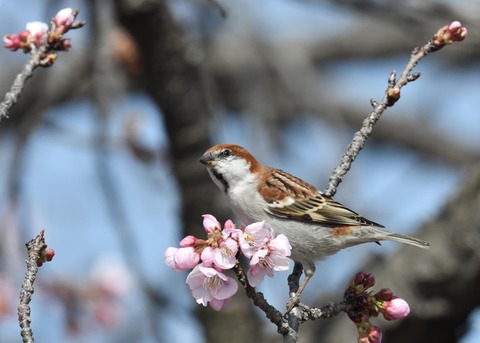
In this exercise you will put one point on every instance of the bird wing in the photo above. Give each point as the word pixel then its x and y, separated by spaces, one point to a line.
pixel 290 197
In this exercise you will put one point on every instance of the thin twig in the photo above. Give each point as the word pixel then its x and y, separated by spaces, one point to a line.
pixel 392 94
pixel 36 247
pixel 13 95
pixel 220 7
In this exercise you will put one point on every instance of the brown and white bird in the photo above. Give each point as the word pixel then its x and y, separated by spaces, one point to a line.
pixel 316 225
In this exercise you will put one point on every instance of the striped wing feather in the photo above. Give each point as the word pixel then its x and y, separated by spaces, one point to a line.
pixel 306 203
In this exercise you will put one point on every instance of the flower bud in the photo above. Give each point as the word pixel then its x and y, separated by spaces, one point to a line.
pixel 38 30
pixel 453 32
pixel 188 241
pixel 64 18
pixel 363 281
pixel 12 42
pixel 385 294
pixel 374 334
pixel 394 309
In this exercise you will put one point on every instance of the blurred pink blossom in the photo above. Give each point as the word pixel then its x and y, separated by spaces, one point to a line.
pixel 39 31
pixel 64 17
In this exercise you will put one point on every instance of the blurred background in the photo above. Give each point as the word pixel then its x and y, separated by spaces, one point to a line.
pixel 102 152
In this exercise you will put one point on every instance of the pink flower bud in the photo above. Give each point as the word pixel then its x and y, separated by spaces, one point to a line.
pixel 66 44
pixel 169 255
pixel 49 253
pixel 395 309
pixel 456 31
pixel 39 31
pixel 368 333
pixel 207 256
pixel 186 258
pixel 181 259
pixel 12 42
pixel 363 339
pixel 374 334
pixel 188 241
pixel 64 17
pixel 210 223
pixel 453 32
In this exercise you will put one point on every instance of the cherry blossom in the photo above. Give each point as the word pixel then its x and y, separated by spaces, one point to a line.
pixel 225 256
pixel 268 260
pixel 208 285
pixel 210 257
pixel 230 230
pixel 255 237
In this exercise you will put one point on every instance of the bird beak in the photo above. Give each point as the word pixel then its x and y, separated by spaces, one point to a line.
pixel 206 159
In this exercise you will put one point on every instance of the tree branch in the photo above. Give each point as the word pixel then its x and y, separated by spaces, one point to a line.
pixel 37 254
pixel 392 94
pixel 12 96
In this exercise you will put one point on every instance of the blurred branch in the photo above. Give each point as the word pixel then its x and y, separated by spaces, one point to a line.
pixel 382 21
pixel 223 11
pixel 106 85
pixel 173 78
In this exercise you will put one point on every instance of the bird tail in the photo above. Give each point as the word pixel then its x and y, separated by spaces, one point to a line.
pixel 406 240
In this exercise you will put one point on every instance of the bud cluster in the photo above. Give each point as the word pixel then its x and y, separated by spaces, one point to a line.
pixel 37 34
pixel 446 35
pixel 362 304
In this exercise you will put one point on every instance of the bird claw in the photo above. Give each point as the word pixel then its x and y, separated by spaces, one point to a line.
pixel 291 303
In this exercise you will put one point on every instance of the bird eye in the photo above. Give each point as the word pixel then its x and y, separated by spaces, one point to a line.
pixel 225 153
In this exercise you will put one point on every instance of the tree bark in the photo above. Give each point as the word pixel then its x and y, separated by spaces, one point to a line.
pixel 174 82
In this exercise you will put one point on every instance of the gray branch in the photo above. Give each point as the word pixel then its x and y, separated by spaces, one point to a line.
pixel 13 95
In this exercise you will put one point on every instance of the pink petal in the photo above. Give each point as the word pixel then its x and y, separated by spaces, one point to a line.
pixel 227 290
pixel 187 241
pixel 210 223
pixel 195 278
pixel 217 304
pixel 281 244
pixel 230 230
pixel 279 262
pixel 36 27
pixel 255 275
pixel 207 256
pixel 64 17
pixel 169 258
pixel 186 258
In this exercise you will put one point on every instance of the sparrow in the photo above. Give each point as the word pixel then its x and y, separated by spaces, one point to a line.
pixel 316 225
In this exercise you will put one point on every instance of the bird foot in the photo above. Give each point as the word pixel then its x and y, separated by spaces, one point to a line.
pixel 291 303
